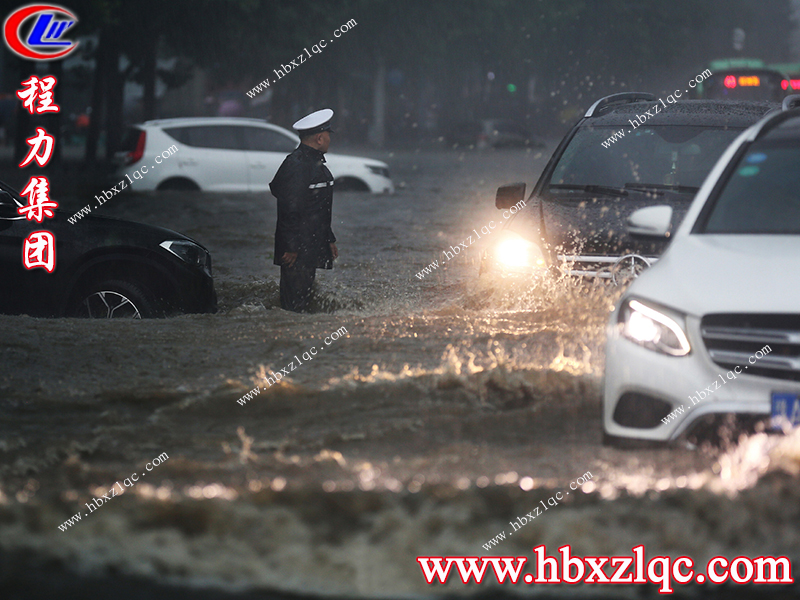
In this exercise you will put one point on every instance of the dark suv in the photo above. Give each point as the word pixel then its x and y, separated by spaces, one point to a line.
pixel 104 268
pixel 575 218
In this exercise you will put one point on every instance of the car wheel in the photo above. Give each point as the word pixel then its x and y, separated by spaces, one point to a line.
pixel 350 184
pixel 114 299
pixel 178 184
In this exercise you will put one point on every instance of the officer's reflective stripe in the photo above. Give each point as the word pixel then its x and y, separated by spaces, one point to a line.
pixel 320 185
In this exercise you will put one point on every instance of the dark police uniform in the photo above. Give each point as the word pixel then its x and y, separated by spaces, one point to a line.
pixel 304 188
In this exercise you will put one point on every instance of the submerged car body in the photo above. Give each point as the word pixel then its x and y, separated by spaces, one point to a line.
pixel 104 267
pixel 575 217
pixel 228 154
pixel 713 329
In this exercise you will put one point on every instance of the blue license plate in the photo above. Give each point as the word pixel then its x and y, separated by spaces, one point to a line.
pixel 785 410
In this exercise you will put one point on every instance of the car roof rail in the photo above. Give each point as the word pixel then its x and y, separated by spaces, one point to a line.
pixel 622 98
pixel 775 118
pixel 791 102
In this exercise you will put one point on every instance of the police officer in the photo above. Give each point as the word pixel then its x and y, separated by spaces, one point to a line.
pixel 304 241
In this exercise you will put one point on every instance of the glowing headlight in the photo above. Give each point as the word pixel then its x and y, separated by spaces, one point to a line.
pixel 653 329
pixel 515 252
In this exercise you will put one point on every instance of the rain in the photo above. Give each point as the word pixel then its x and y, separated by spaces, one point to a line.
pixel 458 373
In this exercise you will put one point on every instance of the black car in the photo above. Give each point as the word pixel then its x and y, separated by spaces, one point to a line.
pixel 104 268
pixel 575 218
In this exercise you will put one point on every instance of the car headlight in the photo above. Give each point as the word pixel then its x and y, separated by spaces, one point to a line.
pixel 190 253
pixel 382 171
pixel 515 252
pixel 654 328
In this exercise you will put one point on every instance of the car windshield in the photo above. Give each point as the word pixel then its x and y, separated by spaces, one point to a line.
pixel 762 194
pixel 665 155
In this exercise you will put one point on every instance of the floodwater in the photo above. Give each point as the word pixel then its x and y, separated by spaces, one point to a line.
pixel 451 406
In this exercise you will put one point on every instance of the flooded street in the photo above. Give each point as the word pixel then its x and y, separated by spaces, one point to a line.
pixel 451 406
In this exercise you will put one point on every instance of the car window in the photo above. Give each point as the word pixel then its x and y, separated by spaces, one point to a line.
pixel 762 194
pixel 660 155
pixel 179 134
pixel 267 140
pixel 221 137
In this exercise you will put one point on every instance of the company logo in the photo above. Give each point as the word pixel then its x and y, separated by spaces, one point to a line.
pixel 44 37
pixel 627 268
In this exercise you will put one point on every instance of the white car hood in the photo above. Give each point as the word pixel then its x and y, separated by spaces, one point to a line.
pixel 701 274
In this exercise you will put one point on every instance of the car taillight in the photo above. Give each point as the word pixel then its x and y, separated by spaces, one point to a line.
pixel 138 153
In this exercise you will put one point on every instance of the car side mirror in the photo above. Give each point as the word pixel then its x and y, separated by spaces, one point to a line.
pixel 509 195
pixel 652 221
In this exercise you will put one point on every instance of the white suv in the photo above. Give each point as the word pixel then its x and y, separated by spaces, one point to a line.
pixel 713 329
pixel 224 154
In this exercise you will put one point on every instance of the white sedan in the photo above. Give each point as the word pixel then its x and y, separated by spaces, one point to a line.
pixel 226 154
pixel 713 329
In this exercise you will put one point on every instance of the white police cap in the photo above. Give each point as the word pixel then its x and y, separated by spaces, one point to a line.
pixel 316 122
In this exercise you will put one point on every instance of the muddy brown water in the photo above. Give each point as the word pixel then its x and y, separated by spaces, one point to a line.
pixel 452 405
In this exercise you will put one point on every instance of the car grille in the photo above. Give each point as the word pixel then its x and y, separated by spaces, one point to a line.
pixel 605 267
pixel 587 266
pixel 732 339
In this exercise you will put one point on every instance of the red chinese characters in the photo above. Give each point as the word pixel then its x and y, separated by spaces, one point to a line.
pixel 39 248
pixel 37 152
pixel 40 90
pixel 39 203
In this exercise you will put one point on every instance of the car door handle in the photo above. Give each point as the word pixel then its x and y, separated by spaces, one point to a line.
pixel 190 162
pixel 258 165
